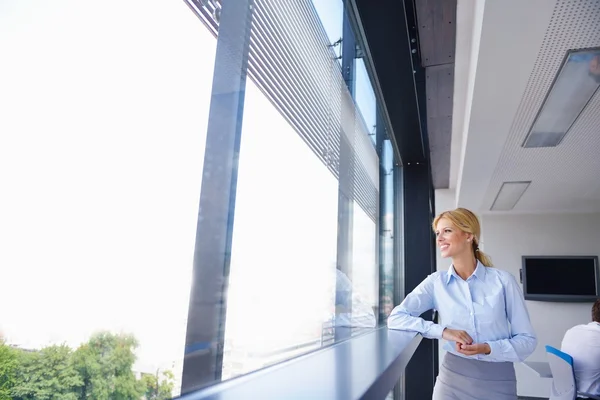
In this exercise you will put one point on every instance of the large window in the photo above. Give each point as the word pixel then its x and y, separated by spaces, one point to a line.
pixel 282 277
pixel 132 256
pixel 303 215
pixel 102 141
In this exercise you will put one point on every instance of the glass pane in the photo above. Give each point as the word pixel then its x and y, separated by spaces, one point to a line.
pixel 387 228
pixel 102 147
pixel 282 277
pixel 331 13
pixel 365 97
pixel 365 272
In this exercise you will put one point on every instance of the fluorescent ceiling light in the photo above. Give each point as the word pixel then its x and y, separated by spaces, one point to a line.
pixel 574 86
pixel 509 195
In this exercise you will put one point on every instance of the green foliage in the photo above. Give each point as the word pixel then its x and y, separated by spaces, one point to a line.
pixel 8 369
pixel 104 364
pixel 159 386
pixel 100 369
pixel 46 375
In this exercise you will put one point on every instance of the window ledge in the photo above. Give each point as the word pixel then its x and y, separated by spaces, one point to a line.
pixel 367 366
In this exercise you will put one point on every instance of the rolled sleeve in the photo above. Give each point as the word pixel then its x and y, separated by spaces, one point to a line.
pixel 406 316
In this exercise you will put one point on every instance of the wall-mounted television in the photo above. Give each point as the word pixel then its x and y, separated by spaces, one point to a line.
pixel 560 278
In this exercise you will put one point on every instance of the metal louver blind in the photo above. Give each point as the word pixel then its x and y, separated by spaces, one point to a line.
pixel 291 61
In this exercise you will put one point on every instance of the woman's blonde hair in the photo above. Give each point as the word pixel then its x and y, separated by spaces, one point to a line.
pixel 467 222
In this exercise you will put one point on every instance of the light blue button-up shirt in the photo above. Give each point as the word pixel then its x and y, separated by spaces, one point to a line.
pixel 489 306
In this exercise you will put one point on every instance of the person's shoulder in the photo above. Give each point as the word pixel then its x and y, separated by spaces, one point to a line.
pixel 576 328
pixel 503 275
pixel 590 326
pixel 435 277
pixel 438 275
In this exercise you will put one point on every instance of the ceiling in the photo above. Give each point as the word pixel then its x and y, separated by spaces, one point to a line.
pixel 507 54
pixel 436 25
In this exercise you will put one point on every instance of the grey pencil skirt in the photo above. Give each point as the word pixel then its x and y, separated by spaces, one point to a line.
pixel 469 379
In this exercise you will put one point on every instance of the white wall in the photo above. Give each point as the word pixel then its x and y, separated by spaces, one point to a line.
pixel 507 238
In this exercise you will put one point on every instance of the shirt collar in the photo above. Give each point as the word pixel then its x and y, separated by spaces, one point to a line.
pixel 479 272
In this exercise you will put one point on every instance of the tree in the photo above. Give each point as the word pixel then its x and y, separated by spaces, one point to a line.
pixel 47 374
pixel 100 369
pixel 8 369
pixel 105 365
pixel 159 386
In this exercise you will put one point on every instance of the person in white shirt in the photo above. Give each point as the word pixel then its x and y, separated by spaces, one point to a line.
pixel 582 342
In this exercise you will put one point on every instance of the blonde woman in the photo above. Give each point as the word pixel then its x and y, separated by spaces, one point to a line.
pixel 484 318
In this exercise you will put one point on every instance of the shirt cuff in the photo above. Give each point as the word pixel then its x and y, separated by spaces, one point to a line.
pixel 435 332
pixel 495 349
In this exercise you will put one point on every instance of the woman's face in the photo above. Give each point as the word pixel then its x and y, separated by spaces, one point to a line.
pixel 451 240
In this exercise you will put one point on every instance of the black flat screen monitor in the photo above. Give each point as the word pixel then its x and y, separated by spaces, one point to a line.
pixel 561 279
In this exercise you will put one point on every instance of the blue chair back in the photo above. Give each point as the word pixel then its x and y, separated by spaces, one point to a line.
pixel 563 378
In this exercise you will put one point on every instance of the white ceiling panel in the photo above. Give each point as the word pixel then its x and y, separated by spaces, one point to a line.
pixel 565 178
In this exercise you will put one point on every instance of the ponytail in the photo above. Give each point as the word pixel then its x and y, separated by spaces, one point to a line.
pixel 481 256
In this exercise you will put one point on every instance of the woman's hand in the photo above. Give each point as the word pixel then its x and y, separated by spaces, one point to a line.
pixel 457 336
pixel 464 342
pixel 473 349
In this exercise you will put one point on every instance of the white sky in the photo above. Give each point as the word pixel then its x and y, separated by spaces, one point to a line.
pixel 103 113
pixel 104 108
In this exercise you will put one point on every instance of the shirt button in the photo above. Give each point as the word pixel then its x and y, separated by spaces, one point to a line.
pixel 471 313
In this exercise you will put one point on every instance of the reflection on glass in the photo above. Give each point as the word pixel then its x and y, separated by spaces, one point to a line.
pixel 365 273
pixel 104 138
pixel 352 308
pixel 387 223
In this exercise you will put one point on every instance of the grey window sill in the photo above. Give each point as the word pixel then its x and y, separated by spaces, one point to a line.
pixel 367 366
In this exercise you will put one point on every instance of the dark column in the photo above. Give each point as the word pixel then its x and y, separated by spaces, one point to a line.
pixel 421 371
pixel 399 233
pixel 206 316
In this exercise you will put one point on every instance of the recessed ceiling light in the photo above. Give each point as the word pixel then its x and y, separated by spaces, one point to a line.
pixel 509 195
pixel 573 87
